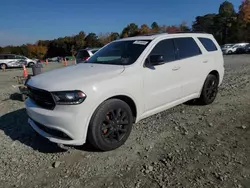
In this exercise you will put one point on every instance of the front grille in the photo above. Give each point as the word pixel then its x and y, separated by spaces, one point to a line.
pixel 52 132
pixel 42 98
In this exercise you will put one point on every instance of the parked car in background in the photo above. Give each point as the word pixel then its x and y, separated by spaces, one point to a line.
pixel 225 47
pixel 232 49
pixel 83 54
pixel 53 59
pixel 69 58
pixel 124 82
pixel 12 60
pixel 247 49
pixel 241 50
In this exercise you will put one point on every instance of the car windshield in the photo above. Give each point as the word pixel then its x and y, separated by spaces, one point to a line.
pixel 119 52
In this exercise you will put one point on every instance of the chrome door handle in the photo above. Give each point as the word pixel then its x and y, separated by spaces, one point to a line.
pixel 175 68
pixel 206 61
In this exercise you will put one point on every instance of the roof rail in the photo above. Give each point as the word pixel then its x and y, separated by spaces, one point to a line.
pixel 151 34
pixel 191 32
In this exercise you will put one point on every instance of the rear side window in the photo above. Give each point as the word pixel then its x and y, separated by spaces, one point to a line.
pixel 208 44
pixel 20 57
pixel 187 47
pixel 11 57
pixel 2 57
pixel 82 54
pixel 165 48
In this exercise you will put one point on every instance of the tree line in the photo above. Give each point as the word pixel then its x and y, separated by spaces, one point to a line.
pixel 227 26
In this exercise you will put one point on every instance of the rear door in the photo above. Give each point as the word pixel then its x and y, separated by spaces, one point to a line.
pixel 11 61
pixel 213 59
pixel 191 60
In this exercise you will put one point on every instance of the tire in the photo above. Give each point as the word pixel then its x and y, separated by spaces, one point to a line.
pixel 104 127
pixel 209 90
pixel 229 52
pixel 31 64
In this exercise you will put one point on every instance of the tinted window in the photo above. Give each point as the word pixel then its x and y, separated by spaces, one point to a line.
pixel 187 47
pixel 94 51
pixel 165 48
pixel 10 57
pixel 208 44
pixel 20 57
pixel 82 54
pixel 1 57
pixel 120 52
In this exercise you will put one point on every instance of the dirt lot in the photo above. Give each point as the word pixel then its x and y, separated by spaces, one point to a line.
pixel 187 146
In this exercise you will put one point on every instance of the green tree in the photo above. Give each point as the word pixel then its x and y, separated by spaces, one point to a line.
pixel 79 40
pixel 204 23
pixel 114 36
pixel 130 31
pixel 224 22
pixel 155 27
pixel 91 40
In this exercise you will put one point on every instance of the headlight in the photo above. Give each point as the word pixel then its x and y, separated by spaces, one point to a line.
pixel 69 97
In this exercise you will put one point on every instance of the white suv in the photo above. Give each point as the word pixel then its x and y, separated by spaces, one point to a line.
pixel 12 60
pixel 125 81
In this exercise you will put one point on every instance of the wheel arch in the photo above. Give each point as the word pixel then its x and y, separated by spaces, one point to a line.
pixel 212 72
pixel 129 101
pixel 215 73
pixel 31 62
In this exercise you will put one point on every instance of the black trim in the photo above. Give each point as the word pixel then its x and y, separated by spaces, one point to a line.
pixel 52 132
pixel 197 32
pixel 41 97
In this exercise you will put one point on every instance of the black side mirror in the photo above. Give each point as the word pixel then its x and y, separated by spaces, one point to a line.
pixel 156 60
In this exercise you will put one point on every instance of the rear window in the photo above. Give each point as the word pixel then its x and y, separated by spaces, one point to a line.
pixel 82 54
pixel 208 44
pixel 187 47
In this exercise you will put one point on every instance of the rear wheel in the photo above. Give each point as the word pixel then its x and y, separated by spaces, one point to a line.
pixel 209 90
pixel 110 125
pixel 31 64
pixel 229 52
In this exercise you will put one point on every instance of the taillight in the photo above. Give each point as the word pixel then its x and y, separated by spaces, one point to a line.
pixel 85 58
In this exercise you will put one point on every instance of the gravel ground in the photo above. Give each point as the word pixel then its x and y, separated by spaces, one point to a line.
pixel 186 146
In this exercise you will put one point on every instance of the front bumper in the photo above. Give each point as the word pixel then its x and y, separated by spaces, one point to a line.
pixel 63 125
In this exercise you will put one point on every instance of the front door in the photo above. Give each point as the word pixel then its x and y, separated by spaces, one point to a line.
pixel 162 83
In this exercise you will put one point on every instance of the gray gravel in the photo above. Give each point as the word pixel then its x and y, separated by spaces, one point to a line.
pixel 186 146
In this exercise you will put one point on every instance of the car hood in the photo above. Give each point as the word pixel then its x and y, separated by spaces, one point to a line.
pixel 74 77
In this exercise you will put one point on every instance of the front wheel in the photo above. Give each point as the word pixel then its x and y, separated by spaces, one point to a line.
pixel 110 125
pixel 3 66
pixel 209 90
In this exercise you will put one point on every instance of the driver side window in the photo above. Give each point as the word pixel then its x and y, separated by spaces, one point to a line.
pixel 165 48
